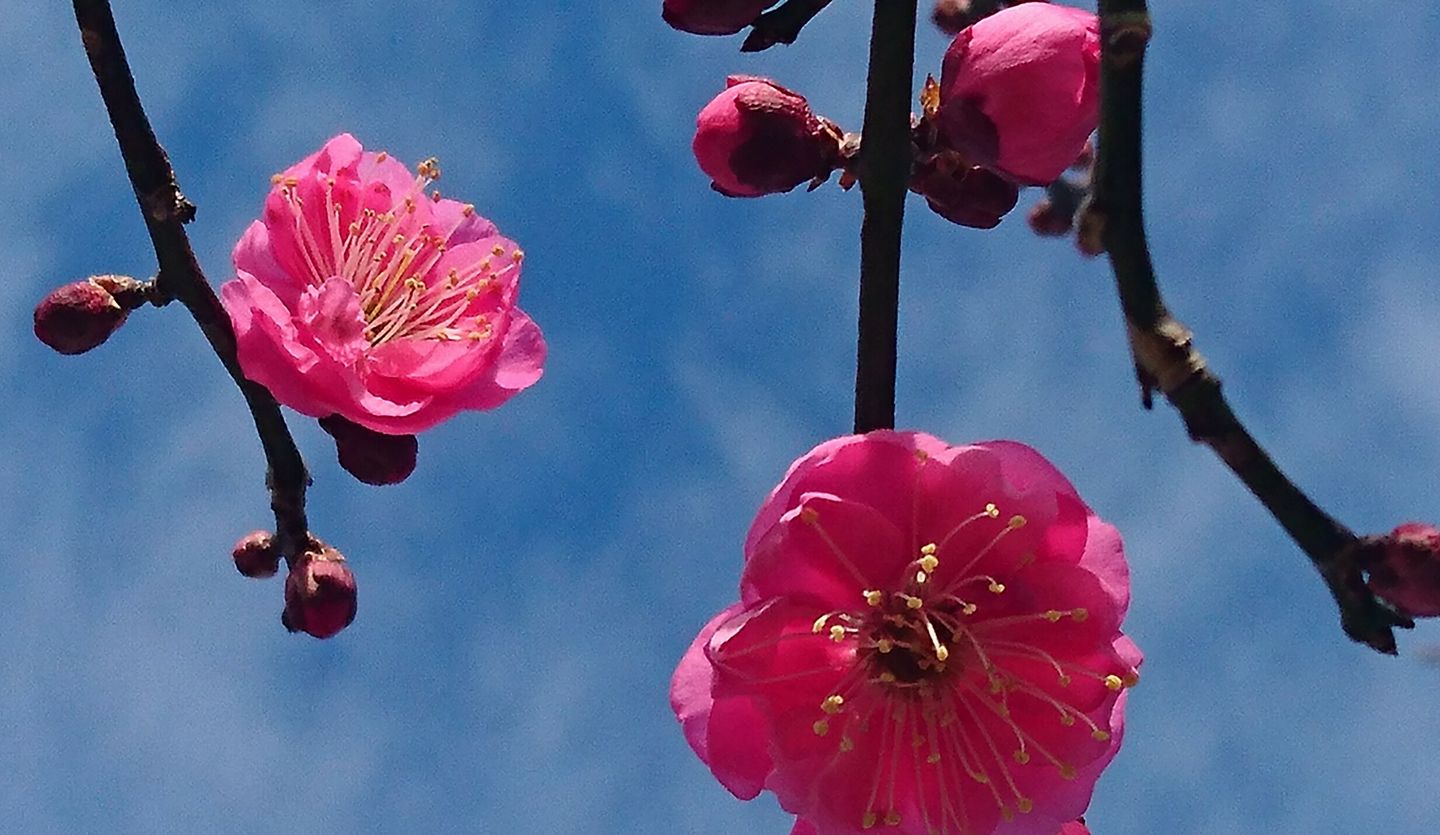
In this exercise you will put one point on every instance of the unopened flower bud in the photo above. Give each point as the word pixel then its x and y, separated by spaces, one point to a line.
pixel 1404 569
pixel 79 316
pixel 1047 220
pixel 256 555
pixel 319 594
pixel 759 138
pixel 372 457
pixel 713 17
pixel 965 194
pixel 1020 90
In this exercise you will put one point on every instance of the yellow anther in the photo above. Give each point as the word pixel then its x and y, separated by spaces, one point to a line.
pixel 887 678
pixel 276 179
pixel 1131 679
pixel 1007 813
pixel 1022 757
pixel 932 759
pixel 942 653
pixel 929 563
pixel 867 821
pixel 1114 682
pixel 1067 772
pixel 892 818
pixel 382 156
pixel 980 778
pixel 810 516
pixel 1017 522
pixel 912 602
pixel 874 597
pixel 1064 680
pixel 968 609
pixel 996 588
pixel 517 256
pixel 928 549
pixel 1099 735
pixel 847 744
pixel 1067 720
pixel 921 577
pixel 921 455
pixel 468 209
pixel 1054 615
pixel 837 633
pixel 821 727
pixel 1079 615
pixel 884 645
pixel 497 250
pixel 996 686
pixel 429 168
pixel 833 704
pixel 1025 805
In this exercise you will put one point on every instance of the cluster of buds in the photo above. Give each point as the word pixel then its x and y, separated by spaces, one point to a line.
pixel 1016 103
pixel 320 596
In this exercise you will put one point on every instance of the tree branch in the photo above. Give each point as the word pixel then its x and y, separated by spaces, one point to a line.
pixel 1165 358
pixel 885 160
pixel 782 24
pixel 165 211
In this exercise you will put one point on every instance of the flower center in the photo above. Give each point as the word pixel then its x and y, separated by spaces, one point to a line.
pixel 942 690
pixel 393 260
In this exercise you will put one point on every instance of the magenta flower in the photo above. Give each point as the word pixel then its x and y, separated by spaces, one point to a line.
pixel 758 138
pixel 927 637
pixel 360 295
pixel 713 17
pixel 1020 90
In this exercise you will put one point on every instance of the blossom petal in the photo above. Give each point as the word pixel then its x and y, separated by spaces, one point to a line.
pixel 729 734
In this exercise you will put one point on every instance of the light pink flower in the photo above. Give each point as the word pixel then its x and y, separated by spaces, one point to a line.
pixel 758 138
pixel 927 637
pixel 713 17
pixel 1020 90
pixel 359 294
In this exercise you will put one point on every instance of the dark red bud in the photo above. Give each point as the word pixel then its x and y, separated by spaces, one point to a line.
pixel 713 17
pixel 1047 220
pixel 81 315
pixel 1404 569
pixel 372 457
pixel 968 195
pixel 320 597
pixel 256 555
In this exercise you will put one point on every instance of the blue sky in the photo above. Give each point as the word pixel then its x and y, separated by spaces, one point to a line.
pixel 525 594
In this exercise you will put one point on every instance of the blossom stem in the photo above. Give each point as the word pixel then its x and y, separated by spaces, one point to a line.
pixel 884 170
pixel 782 24
pixel 165 211
pixel 1165 358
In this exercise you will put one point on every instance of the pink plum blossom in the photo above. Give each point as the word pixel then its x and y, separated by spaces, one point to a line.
pixel 1020 90
pixel 759 138
pixel 713 17
pixel 359 294
pixel 927 638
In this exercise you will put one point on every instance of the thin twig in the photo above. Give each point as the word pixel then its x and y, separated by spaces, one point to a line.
pixel 166 210
pixel 1165 358
pixel 884 173
pixel 782 24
